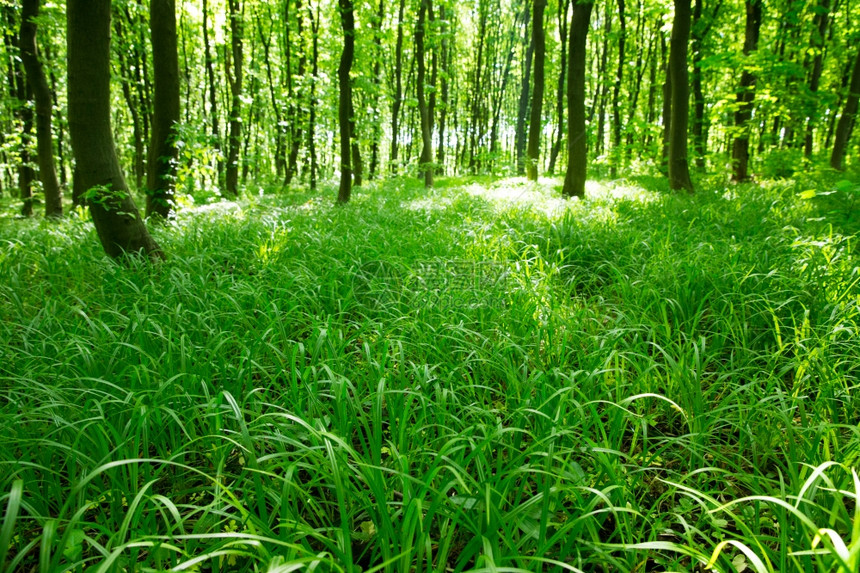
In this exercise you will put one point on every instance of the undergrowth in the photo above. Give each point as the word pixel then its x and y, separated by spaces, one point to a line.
pixel 480 378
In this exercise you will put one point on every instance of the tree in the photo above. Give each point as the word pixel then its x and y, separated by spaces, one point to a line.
pixel 344 108
pixel 44 109
pixel 115 216
pixel 746 93
pixel 574 179
pixel 234 141
pixel 679 171
pixel 848 117
pixel 165 116
pixel 535 123
pixel 426 161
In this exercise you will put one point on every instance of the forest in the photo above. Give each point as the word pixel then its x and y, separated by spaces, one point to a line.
pixel 428 285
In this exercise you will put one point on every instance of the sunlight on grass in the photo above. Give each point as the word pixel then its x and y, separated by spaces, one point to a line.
pixel 511 382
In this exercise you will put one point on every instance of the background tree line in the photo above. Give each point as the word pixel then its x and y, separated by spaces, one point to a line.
pixel 220 95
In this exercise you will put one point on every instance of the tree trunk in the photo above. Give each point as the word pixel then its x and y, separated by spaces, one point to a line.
pixel 617 156
pixel 847 119
pixel 523 107
pixel 426 161
pixel 577 166
pixel 535 123
pixel 165 116
pixel 213 95
pixel 44 109
pixel 234 141
pixel 312 112
pixel 398 88
pixel 564 8
pixel 377 84
pixel 115 216
pixel 817 44
pixel 679 171
pixel 746 93
pixel 19 90
pixel 347 19
pixel 445 95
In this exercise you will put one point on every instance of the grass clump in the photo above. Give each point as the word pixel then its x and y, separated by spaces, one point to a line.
pixel 486 378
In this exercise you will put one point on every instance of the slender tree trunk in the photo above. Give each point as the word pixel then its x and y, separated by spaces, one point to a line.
pixel 234 142
pixel 821 21
pixel 355 149
pixel 746 93
pixel 535 123
pixel 312 111
pixel 162 149
pixel 667 107
pixel 347 18
pixel 847 119
pixel 577 160
pixel 213 95
pixel 44 109
pixel 266 41
pixel 618 157
pixel 426 161
pixel 20 91
pixel 398 89
pixel 523 107
pixel 447 68
pixel 115 216
pixel 679 172
pixel 561 88
pixel 377 83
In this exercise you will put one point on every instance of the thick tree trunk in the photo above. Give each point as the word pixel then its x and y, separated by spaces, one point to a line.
pixel 165 116
pixel 746 93
pixel 426 160
pixel 577 166
pixel 347 19
pixel 535 123
pixel 234 142
pixel 44 109
pixel 848 117
pixel 115 216
pixel 679 171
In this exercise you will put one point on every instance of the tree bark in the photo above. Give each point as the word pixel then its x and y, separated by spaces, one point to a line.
pixel 234 141
pixel 617 156
pixel 115 216
pixel 535 123
pixel 561 87
pixel 398 89
pixel 577 166
pixel 347 19
pixel 44 109
pixel 847 119
pixel 746 93
pixel 679 171
pixel 817 44
pixel 426 160
pixel 312 112
pixel 165 116
pixel 213 95
pixel 523 107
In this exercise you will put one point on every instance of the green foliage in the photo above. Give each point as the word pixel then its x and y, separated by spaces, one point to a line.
pixel 658 382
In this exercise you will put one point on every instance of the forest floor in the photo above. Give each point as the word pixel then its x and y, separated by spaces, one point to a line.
pixel 482 377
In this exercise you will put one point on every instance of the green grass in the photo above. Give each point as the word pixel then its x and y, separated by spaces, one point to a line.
pixel 486 379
